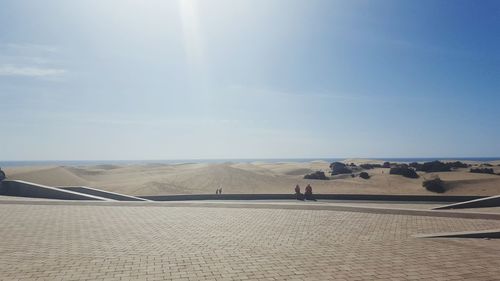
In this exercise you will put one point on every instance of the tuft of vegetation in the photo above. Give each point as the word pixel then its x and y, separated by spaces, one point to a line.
pixel 318 175
pixel 337 164
pixel 2 175
pixel 434 185
pixel 364 175
pixel 487 165
pixel 370 166
pixel 339 168
pixel 457 164
pixel 404 171
pixel 434 166
pixel 353 175
pixel 415 165
pixel 482 170
pixel 438 166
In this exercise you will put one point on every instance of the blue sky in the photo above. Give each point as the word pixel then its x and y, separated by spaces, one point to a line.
pixel 110 79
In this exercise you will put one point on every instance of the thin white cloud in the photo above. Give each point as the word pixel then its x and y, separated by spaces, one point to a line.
pixel 30 71
pixel 242 90
pixel 21 60
pixel 30 47
pixel 29 60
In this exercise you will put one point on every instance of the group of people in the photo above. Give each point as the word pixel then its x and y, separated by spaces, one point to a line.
pixel 218 191
pixel 308 194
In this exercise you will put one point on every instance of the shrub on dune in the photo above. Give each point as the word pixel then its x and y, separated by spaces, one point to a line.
pixel 415 165
pixel 364 175
pixel 404 171
pixel 434 185
pixel 366 166
pixel 370 166
pixel 318 175
pixel 340 171
pixel 337 164
pixel 482 171
pixel 339 168
pixel 435 166
pixel 457 164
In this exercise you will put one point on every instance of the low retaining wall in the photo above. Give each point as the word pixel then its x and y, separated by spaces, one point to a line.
pixel 361 197
pixel 189 197
pixel 27 189
pixel 102 193
pixel 493 201
pixel 493 234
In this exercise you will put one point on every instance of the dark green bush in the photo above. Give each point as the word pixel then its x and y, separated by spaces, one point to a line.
pixel 337 164
pixel 370 166
pixel 415 165
pixel 339 168
pixel 318 175
pixel 457 164
pixel 434 185
pixel 404 171
pixel 434 166
pixel 482 170
pixel 364 175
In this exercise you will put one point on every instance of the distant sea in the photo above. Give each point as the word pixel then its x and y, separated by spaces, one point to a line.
pixel 183 161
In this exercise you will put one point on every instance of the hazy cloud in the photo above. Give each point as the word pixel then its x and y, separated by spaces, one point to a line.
pixel 30 71
pixel 29 47
pixel 29 60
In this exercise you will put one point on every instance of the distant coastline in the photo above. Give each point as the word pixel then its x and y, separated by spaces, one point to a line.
pixel 243 160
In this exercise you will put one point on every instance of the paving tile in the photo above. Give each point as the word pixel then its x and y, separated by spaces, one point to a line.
pixel 64 242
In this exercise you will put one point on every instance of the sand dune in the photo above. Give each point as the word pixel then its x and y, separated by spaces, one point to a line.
pixel 53 176
pixel 256 177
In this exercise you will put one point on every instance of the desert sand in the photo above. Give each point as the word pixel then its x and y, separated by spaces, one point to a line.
pixel 256 177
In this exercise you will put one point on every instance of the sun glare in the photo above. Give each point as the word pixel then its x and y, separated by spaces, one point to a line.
pixel 188 11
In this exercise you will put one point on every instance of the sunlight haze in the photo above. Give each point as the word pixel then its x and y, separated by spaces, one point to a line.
pixel 248 79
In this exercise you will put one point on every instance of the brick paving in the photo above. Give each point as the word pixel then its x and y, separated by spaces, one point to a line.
pixel 64 242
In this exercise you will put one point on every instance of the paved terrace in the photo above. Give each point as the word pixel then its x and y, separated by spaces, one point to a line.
pixel 171 242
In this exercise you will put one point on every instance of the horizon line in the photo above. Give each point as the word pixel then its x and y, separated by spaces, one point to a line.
pixel 263 158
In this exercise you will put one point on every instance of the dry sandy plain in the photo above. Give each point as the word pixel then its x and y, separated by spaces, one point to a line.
pixel 256 177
